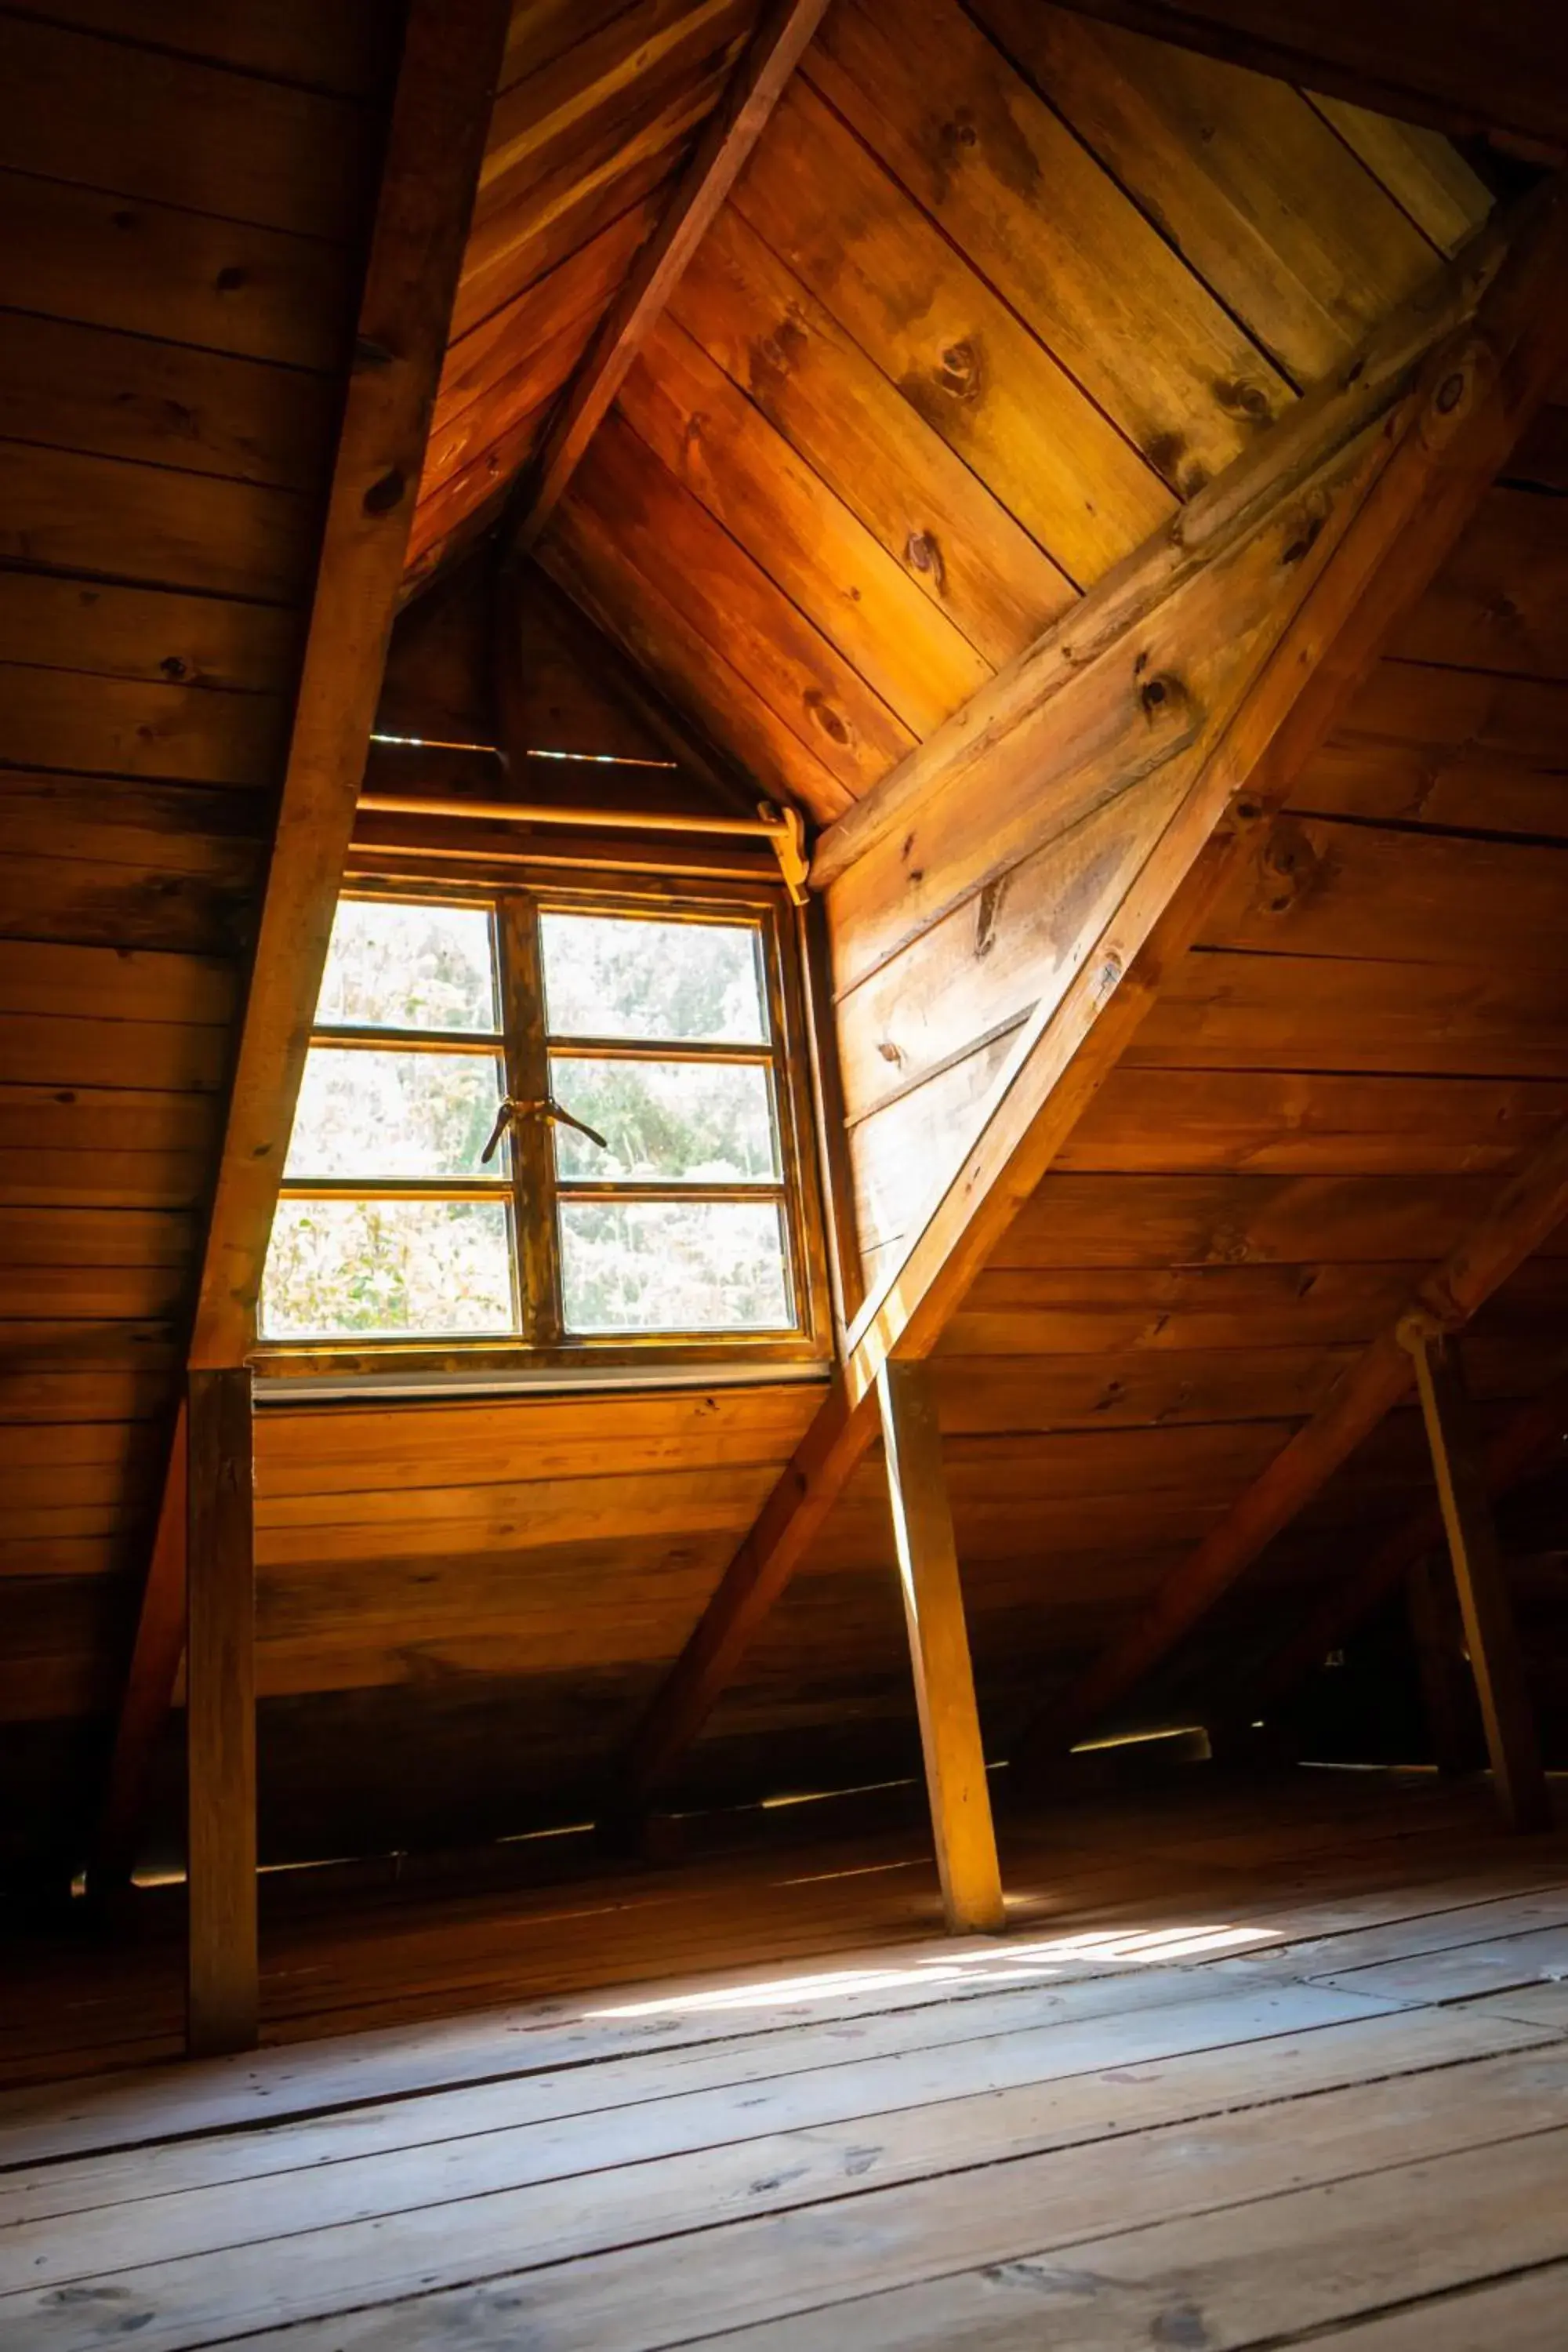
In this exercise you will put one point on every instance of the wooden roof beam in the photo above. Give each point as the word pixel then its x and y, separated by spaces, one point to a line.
pixel 1375 476
pixel 440 113
pixel 758 82
pixel 1527 1210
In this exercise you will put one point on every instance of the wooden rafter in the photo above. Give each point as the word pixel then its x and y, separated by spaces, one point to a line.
pixel 441 112
pixel 1374 477
pixel 1528 1209
pixel 731 131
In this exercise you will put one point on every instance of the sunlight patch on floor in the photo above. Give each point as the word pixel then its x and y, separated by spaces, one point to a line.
pixel 1010 1963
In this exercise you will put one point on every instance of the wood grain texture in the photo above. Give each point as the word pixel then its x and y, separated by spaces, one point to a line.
pixel 1491 1634
pixel 939 1652
pixel 220 1712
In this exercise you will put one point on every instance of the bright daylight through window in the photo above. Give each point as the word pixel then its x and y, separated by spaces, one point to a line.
pixel 541 1120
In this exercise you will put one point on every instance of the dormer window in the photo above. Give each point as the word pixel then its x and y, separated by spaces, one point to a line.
pixel 564 1122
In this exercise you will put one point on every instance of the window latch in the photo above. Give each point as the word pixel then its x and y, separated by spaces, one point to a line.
pixel 511 1111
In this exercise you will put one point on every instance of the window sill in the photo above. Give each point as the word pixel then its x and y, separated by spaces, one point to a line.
pixel 286 1376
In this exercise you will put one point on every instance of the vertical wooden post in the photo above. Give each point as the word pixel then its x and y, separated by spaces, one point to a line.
pixel 1438 1639
pixel 1489 1630
pixel 939 1651
pixel 220 1717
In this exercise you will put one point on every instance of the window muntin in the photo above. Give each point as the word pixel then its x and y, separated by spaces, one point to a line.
pixel 660 1027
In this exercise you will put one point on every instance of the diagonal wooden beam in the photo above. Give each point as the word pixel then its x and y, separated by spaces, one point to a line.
pixel 1357 495
pixel 758 82
pixel 440 112
pixel 1525 1441
pixel 1527 1210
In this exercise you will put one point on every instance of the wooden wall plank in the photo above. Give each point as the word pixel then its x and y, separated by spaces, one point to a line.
pixel 1086 272
pixel 111 116
pixel 1230 1008
pixel 151 635
pixel 144 523
pixel 869 445
pixel 148 268
pixel 658 527
pixel 62 719
pixel 222 1977
pixel 972 370
pixel 712 439
pixel 1222 160
pixel 120 396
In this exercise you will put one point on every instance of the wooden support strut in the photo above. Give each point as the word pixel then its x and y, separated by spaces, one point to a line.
pixel 1536 1430
pixel 1437 1637
pixel 731 131
pixel 939 1652
pixel 451 59
pixel 1529 1207
pixel 223 1975
pixel 1478 1573
pixel 1442 403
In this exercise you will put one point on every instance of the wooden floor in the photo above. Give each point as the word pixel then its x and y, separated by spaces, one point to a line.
pixel 1258 2068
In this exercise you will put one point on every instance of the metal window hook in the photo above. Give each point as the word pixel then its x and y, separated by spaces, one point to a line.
pixel 512 1108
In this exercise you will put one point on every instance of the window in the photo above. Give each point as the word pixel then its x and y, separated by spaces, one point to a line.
pixel 560 1122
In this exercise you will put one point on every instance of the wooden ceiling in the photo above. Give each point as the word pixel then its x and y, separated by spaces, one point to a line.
pixel 1000 288
pixel 599 106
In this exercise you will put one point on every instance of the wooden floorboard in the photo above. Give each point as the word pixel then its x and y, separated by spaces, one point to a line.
pixel 1315 2036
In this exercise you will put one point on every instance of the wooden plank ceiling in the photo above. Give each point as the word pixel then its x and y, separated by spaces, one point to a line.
pixel 1000 289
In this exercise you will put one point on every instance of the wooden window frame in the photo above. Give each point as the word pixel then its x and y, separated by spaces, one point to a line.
pixel 516 900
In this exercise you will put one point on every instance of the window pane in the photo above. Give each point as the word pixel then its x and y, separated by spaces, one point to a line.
pixel 673 1265
pixel 369 1113
pixel 340 1269
pixel 609 976
pixel 402 966
pixel 701 1122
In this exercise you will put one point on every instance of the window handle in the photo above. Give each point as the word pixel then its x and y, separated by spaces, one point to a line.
pixel 510 1110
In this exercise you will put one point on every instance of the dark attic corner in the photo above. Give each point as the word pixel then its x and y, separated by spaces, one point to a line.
pixel 783 1175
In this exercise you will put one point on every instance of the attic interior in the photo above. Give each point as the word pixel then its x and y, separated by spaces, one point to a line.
pixel 784 1114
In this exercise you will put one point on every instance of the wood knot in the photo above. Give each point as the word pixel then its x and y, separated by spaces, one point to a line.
pixel 171 666
pixel 985 917
pixel 229 279
pixel 922 554
pixel 822 711
pixel 1160 693
pixel 1243 399
pixel 959 371
pixel 1288 866
pixel 1303 536
pixel 383 497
